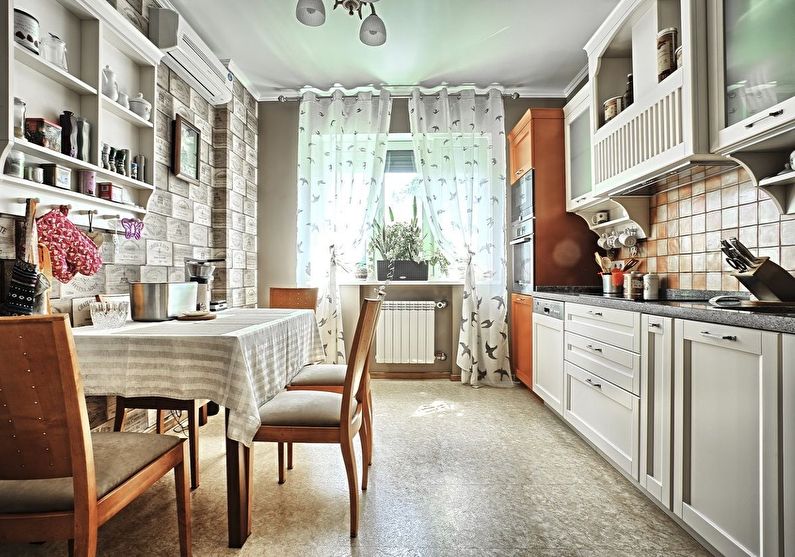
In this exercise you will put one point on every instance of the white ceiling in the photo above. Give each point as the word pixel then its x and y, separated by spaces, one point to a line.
pixel 531 46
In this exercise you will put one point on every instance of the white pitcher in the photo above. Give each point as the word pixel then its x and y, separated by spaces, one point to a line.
pixel 109 86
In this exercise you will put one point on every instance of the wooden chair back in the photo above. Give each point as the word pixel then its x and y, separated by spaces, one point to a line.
pixel 357 362
pixel 293 298
pixel 43 419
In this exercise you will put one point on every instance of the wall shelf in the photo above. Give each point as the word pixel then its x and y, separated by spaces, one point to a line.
pixel 45 68
pixel 50 197
pixel 125 113
pixel 626 211
pixel 43 155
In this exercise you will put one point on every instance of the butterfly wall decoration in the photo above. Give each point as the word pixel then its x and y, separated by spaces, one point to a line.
pixel 132 228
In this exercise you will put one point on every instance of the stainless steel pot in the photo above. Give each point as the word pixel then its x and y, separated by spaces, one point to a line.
pixel 161 301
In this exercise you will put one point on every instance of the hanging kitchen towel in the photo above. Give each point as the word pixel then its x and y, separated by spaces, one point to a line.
pixel 22 289
pixel 71 250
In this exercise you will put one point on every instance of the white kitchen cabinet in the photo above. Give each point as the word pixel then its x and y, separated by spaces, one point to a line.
pixel 788 439
pixel 751 72
pixel 577 121
pixel 613 326
pixel 606 415
pixel 548 360
pixel 726 436
pixel 656 407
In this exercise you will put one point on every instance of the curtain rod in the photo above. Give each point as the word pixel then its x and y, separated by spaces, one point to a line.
pixel 285 98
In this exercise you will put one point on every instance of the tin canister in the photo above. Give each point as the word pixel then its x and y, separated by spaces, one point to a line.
pixel 666 52
pixel 633 285
pixel 88 182
pixel 612 107
pixel 651 286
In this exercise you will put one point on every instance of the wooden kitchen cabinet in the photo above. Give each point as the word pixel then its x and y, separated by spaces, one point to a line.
pixel 522 338
pixel 726 436
pixel 656 406
pixel 520 148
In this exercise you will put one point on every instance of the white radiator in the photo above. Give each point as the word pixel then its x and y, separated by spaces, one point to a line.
pixel 405 333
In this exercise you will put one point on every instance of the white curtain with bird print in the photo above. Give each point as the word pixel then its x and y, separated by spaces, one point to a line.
pixel 342 142
pixel 459 143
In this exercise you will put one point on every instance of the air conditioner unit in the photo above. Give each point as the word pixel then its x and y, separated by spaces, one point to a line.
pixel 188 56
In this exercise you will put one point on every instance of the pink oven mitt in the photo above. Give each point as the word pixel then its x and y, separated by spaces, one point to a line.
pixel 71 250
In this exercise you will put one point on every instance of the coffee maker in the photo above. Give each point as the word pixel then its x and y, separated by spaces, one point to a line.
pixel 201 272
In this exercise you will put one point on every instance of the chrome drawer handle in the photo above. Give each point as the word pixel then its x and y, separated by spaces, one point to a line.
pixel 591 347
pixel 657 325
pixel 723 337
pixel 595 313
pixel 590 382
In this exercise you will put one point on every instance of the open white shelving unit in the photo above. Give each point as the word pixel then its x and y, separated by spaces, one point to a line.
pixel 96 35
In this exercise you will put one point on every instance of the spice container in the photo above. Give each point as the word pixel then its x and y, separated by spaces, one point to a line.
pixel 15 164
pixel 110 191
pixel 88 182
pixel 58 176
pixel 633 285
pixel 666 52
pixel 629 94
pixel 609 287
pixel 43 132
pixel 19 118
pixel 612 107
pixel 651 286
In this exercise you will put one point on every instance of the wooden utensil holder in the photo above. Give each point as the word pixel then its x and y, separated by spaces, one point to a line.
pixel 768 282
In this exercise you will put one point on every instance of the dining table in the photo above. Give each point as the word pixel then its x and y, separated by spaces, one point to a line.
pixel 240 360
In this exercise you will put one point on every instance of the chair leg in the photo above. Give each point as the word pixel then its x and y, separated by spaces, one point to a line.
pixel 85 546
pixel 121 414
pixel 281 463
pixel 348 455
pixel 289 456
pixel 160 426
pixel 204 414
pixel 368 422
pixel 183 508
pixel 193 439
pixel 364 437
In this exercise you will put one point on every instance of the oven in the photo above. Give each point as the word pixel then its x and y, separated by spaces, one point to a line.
pixel 523 256
pixel 522 198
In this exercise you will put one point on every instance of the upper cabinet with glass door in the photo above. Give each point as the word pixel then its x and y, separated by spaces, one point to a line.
pixel 579 181
pixel 752 45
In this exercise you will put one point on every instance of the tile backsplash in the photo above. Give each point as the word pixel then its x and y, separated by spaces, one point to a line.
pixel 688 223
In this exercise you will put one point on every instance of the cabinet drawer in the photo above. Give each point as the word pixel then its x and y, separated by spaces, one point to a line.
pixel 606 415
pixel 735 338
pixel 614 326
pixel 620 367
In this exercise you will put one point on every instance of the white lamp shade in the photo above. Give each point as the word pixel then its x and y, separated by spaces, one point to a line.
pixel 373 31
pixel 311 12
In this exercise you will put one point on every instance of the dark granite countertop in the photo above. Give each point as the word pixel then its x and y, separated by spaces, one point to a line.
pixel 681 304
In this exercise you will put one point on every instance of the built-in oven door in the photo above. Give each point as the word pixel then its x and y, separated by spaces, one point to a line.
pixel 522 197
pixel 523 271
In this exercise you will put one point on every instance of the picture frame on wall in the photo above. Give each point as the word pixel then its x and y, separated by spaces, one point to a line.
pixel 185 150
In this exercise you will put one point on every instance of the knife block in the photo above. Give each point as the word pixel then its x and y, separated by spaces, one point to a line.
pixel 768 282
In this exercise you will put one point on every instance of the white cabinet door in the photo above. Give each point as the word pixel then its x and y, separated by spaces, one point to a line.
pixel 605 415
pixel 726 423
pixel 656 412
pixel 577 119
pixel 548 360
pixel 788 444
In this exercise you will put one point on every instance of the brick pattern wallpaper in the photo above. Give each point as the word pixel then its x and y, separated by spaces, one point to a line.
pixel 688 223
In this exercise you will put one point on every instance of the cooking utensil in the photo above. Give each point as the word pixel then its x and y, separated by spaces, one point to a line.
pixel 160 301
pixel 734 259
pixel 599 261
pixel 607 263
pixel 630 264
pixel 744 251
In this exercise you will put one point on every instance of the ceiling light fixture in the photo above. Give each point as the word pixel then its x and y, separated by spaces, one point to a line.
pixel 372 32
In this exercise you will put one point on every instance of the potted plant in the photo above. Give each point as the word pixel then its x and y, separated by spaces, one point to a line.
pixel 400 246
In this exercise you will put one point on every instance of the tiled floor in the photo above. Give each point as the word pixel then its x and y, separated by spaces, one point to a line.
pixel 457 471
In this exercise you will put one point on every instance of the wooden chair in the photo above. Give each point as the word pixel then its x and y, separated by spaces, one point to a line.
pixel 323 417
pixel 59 481
pixel 293 298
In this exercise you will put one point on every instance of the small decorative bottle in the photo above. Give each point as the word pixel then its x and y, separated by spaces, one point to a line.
pixel 68 133
pixel 83 138
pixel 629 94
pixel 105 156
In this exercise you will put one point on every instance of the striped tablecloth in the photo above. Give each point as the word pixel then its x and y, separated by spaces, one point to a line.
pixel 239 360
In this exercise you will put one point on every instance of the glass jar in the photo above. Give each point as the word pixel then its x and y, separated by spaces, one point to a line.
pixel 15 164
pixel 19 118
